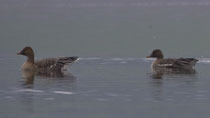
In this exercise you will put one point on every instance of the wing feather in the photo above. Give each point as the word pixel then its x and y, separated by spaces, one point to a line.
pixel 178 63
pixel 54 64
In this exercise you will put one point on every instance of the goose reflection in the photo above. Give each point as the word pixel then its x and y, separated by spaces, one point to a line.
pixel 29 76
pixel 158 72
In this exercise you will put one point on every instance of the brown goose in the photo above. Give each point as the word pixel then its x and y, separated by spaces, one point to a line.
pixel 186 63
pixel 44 65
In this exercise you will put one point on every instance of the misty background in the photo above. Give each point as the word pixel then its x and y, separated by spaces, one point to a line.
pixel 105 28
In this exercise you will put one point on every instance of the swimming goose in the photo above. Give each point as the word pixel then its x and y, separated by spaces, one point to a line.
pixel 44 65
pixel 186 63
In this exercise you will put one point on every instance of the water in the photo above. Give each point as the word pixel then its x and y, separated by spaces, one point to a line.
pixel 105 87
pixel 112 77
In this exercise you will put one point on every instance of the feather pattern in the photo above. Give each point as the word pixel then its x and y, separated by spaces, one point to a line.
pixel 54 64
pixel 177 63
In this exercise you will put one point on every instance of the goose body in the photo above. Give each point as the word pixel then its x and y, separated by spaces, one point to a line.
pixel 171 63
pixel 46 64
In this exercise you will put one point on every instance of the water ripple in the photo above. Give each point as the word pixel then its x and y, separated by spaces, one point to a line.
pixel 30 90
pixel 204 60
pixel 63 92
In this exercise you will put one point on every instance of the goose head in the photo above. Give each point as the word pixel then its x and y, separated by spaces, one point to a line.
pixel 157 53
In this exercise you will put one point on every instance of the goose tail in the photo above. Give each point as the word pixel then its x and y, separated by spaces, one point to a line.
pixel 67 60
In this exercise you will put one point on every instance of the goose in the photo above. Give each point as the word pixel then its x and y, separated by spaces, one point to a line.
pixel 182 63
pixel 44 65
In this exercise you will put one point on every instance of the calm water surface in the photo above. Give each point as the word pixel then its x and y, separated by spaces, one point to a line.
pixel 112 78
pixel 105 87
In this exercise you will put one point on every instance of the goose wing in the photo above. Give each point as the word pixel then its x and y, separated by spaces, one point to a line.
pixel 54 64
pixel 185 62
pixel 177 63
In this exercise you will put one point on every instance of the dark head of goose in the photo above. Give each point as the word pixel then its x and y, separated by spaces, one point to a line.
pixel 27 51
pixel 157 53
